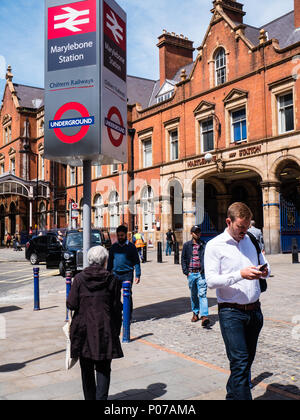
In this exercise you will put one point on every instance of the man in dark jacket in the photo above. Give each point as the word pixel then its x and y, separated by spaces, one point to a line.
pixel 192 262
pixel 124 260
pixel 96 299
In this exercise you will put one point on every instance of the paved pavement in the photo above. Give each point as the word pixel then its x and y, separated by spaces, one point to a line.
pixel 169 358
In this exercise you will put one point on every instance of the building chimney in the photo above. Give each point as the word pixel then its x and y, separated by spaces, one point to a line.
pixel 232 8
pixel 175 51
pixel 297 13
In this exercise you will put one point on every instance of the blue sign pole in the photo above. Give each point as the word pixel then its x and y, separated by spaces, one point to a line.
pixel 126 311
pixel 68 289
pixel 36 280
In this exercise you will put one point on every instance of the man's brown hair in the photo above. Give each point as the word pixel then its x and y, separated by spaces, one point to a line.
pixel 239 210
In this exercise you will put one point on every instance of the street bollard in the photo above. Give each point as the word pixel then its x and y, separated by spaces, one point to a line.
pixel 176 253
pixel 68 289
pixel 159 252
pixel 126 310
pixel 145 254
pixel 295 251
pixel 36 281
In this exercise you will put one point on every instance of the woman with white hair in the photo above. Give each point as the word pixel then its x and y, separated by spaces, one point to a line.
pixel 95 330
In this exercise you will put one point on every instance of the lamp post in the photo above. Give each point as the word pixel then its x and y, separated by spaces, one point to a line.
pixel 27 151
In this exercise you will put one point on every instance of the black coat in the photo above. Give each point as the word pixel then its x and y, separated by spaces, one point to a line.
pixel 186 256
pixel 95 330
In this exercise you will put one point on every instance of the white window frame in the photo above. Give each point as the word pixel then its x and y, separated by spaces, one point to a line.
pixel 72 176
pixel 147 164
pixel 233 141
pixel 202 133
pixel 220 68
pixel 281 114
pixel 98 212
pixel 148 209
pixel 174 142
pixel 114 210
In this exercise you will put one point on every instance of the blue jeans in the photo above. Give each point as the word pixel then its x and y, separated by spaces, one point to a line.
pixel 240 331
pixel 169 248
pixel 198 288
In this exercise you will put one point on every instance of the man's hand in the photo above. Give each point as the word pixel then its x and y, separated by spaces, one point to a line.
pixel 137 280
pixel 251 273
pixel 264 273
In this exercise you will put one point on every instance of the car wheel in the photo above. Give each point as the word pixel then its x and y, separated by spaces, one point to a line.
pixel 34 259
pixel 62 269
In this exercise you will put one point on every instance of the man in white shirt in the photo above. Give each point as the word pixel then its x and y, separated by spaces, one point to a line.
pixel 232 268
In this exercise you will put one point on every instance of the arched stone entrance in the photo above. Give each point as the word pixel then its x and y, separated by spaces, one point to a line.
pixel 288 175
pixel 224 188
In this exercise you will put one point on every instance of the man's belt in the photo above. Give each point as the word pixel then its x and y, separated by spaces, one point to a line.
pixel 196 270
pixel 250 307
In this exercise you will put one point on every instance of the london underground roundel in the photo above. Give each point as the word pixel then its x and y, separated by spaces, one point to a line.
pixel 115 126
pixel 84 122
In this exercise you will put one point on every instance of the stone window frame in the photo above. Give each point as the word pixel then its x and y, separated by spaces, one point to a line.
pixel 42 163
pixel 7 131
pixel 2 164
pixel 230 107
pixel 200 118
pixel 143 137
pixel 212 66
pixel 169 128
pixel 12 157
pixel 278 89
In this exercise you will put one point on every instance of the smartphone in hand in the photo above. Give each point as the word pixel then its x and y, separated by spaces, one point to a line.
pixel 263 268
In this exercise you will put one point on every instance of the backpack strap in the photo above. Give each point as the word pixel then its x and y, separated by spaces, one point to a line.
pixel 256 244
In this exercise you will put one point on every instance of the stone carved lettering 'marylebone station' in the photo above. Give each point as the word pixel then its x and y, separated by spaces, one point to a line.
pixel 227 113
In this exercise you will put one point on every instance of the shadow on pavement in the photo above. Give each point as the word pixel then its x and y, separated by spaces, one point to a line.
pixel 140 337
pixel 280 392
pixel 167 309
pixel 6 309
pixel 150 393
pixel 11 367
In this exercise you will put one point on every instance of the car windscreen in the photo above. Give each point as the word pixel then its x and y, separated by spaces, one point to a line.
pixel 75 240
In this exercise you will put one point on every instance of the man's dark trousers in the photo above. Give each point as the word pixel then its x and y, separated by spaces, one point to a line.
pixel 240 331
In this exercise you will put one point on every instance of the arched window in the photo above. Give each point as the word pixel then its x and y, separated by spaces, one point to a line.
pixel 220 67
pixel 147 203
pixel 98 211
pixel 114 210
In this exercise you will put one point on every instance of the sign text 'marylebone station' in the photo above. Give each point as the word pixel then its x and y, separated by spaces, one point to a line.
pixel 85 82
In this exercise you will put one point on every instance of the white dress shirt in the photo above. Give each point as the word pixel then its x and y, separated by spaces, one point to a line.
pixel 224 259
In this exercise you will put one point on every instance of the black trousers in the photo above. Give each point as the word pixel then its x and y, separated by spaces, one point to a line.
pixel 95 391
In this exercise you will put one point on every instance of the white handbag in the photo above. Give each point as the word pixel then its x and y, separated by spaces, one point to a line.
pixel 70 362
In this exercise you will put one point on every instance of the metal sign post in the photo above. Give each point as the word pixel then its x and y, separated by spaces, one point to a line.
pixel 86 210
pixel 85 89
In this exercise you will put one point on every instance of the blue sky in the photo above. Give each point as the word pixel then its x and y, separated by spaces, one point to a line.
pixel 22 31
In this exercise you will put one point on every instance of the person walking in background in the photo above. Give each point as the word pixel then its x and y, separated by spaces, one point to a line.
pixel 139 242
pixel 124 260
pixel 192 262
pixel 96 299
pixel 171 239
pixel 232 268
pixel 258 235
pixel 8 240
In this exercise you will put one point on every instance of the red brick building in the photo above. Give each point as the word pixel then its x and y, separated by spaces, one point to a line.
pixel 226 121
pixel 32 189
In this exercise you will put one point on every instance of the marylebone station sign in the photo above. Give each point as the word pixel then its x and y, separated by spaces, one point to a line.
pixel 85 82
